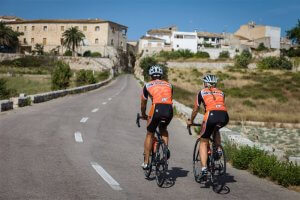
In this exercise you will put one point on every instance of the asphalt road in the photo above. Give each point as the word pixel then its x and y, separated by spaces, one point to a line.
pixel 42 159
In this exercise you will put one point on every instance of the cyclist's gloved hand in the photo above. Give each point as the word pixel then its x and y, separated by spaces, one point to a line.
pixel 189 122
pixel 144 116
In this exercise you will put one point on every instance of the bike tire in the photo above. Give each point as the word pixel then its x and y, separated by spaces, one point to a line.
pixel 218 172
pixel 196 161
pixel 161 164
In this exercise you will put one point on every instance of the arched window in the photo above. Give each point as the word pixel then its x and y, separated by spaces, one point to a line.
pixel 97 28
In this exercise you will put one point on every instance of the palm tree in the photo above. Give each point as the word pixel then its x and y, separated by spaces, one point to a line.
pixel 8 37
pixel 72 38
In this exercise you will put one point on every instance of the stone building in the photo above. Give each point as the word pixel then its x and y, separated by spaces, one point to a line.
pixel 100 35
pixel 252 35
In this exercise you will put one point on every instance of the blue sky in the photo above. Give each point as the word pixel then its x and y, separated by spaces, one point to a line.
pixel 142 15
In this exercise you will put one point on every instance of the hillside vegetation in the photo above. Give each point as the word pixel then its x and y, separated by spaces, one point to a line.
pixel 255 95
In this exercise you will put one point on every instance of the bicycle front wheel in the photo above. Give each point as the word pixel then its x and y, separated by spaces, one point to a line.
pixel 196 161
pixel 161 163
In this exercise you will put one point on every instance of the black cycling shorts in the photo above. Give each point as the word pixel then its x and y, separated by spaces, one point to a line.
pixel 163 113
pixel 215 117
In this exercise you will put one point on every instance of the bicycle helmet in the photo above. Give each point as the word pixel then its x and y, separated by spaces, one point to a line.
pixel 155 70
pixel 210 80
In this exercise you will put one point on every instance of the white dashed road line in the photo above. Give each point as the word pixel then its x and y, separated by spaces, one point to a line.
pixel 109 99
pixel 95 110
pixel 78 137
pixel 104 103
pixel 84 119
pixel 110 180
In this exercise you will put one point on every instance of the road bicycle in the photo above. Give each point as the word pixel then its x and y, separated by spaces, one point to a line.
pixel 216 162
pixel 158 159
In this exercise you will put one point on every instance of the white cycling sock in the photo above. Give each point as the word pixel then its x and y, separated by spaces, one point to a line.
pixel 203 168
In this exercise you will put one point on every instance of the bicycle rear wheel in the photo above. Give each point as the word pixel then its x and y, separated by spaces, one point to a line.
pixel 161 163
pixel 197 161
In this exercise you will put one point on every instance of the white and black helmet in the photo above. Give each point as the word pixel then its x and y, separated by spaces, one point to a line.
pixel 210 79
pixel 155 70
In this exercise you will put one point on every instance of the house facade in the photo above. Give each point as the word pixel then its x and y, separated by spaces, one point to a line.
pixel 252 35
pixel 207 39
pixel 184 40
pixel 98 34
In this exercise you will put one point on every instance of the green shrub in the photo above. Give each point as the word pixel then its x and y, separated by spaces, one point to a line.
pixel 102 75
pixel 87 53
pixel 262 165
pixel 96 54
pixel 147 62
pixel 90 78
pixel 201 54
pixel 249 103
pixel 68 53
pixel 272 62
pixel 285 173
pixel 4 92
pixel 224 54
pixel 84 77
pixel 290 52
pixel 261 47
pixel 243 60
pixel 31 61
pixel 244 156
pixel 60 77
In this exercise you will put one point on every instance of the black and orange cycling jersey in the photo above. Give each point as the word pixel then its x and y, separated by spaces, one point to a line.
pixel 212 99
pixel 160 93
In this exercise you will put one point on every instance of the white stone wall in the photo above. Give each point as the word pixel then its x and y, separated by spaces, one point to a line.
pixel 199 65
pixel 274 34
pixel 215 52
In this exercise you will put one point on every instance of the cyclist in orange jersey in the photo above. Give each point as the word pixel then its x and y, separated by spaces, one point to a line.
pixel 161 93
pixel 213 101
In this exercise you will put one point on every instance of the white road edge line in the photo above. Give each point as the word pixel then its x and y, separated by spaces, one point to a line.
pixel 78 137
pixel 95 110
pixel 104 103
pixel 109 99
pixel 110 180
pixel 84 119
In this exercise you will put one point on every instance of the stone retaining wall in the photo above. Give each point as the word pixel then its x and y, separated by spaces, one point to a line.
pixel 6 105
pixel 199 65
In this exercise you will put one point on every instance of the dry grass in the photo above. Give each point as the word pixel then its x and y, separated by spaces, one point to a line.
pixel 269 96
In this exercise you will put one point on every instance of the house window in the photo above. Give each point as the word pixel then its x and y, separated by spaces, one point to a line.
pixel 97 28
pixel 177 45
pixel 189 37
pixel 113 29
pixel 84 28
pixel 61 41
pixel 44 41
pixel 18 28
pixel 96 41
pixel 62 28
pixel 206 39
pixel 25 28
pixel 213 39
pixel 112 42
pixel 77 27
pixel 121 43
pixel 179 36
pixel 32 40
pixel 24 41
pixel 45 28
pixel 32 28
